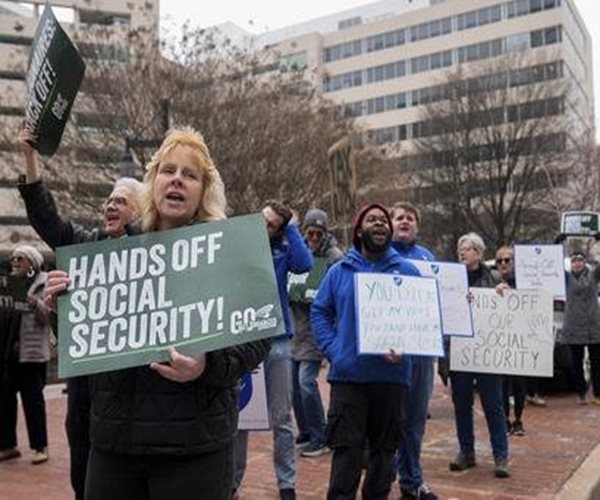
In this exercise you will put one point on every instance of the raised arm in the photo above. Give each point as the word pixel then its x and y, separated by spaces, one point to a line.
pixel 300 258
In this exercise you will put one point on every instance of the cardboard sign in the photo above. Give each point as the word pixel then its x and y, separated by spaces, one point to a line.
pixel 454 289
pixel 304 287
pixel 254 413
pixel 541 267
pixel 513 334
pixel 398 312
pixel 54 74
pixel 191 288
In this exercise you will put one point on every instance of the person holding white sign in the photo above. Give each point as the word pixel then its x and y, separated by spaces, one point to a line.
pixel 471 249
pixel 406 219
pixel 367 391
pixel 167 431
pixel 582 323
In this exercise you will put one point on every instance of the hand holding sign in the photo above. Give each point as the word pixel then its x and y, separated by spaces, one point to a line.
pixel 181 368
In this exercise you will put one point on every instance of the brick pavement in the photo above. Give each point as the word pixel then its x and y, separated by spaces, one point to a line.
pixel 559 439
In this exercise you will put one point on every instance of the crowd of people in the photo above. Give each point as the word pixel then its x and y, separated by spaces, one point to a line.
pixel 170 429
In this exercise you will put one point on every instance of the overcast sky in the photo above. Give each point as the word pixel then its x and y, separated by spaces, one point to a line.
pixel 259 16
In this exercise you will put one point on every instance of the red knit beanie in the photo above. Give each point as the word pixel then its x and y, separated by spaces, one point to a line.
pixel 360 215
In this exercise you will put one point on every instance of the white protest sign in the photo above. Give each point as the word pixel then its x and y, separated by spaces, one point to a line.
pixel 454 289
pixel 398 312
pixel 541 267
pixel 254 414
pixel 513 334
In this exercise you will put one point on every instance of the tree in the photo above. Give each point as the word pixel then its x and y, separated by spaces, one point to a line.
pixel 267 129
pixel 488 148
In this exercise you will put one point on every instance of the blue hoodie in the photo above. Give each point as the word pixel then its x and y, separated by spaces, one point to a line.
pixel 290 255
pixel 412 251
pixel 333 318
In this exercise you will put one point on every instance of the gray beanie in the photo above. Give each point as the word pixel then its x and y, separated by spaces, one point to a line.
pixel 316 217
pixel 32 254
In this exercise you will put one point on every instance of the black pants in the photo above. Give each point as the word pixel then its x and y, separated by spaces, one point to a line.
pixel 577 352
pixel 113 476
pixel 362 414
pixel 77 426
pixel 517 386
pixel 29 380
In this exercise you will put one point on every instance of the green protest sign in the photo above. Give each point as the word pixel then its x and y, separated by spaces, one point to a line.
pixel 54 74
pixel 197 288
pixel 303 287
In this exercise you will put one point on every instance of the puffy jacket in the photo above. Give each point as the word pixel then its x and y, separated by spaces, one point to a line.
pixel 412 251
pixel 34 333
pixel 333 317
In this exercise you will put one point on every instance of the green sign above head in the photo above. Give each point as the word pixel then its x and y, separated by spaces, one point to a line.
pixel 580 223
pixel 198 288
pixel 54 74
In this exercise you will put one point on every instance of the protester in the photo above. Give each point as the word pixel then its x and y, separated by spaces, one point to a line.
pixel 308 407
pixel 581 327
pixel 166 431
pixel 290 255
pixel 512 385
pixel 406 219
pixel 471 250
pixel 28 354
pixel 119 210
pixel 367 391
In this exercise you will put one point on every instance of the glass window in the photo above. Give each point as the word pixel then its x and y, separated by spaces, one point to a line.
pixel 423 31
pixel 462 54
pixel 496 47
pixel 436 60
pixel 447 58
pixel 379 105
pixel 378 73
pixel 413 33
pixel 446 25
pixel 401 100
pixel 370 106
pixel 471 20
pixel 389 71
pixel 390 39
pixel 483 16
pixel 495 13
pixel 549 4
pixel 535 5
pixel 551 35
pixel 522 7
pixel 326 54
pixel 400 37
pixel 357 77
pixel 400 68
pixel 434 28
pixel 537 38
pixel 461 22
pixel 402 133
pixel 390 102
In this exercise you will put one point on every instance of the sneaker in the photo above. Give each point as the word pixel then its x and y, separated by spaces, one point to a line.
pixel 535 400
pixel 9 453
pixel 302 441
pixel 287 494
pixel 39 456
pixel 314 450
pixel 595 401
pixel 463 461
pixel 518 429
pixel 501 468
pixel 423 492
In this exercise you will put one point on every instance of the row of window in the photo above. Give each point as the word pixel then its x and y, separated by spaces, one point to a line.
pixel 473 52
pixel 485 83
pixel 437 27
pixel 506 114
pixel 544 143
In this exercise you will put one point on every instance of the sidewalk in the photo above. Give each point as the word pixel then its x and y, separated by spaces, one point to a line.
pixel 559 439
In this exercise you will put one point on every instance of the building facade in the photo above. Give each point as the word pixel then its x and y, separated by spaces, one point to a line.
pixel 78 181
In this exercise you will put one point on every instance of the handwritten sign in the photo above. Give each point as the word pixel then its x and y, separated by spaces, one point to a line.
pixel 541 267
pixel 398 312
pixel 454 288
pixel 513 334
pixel 254 414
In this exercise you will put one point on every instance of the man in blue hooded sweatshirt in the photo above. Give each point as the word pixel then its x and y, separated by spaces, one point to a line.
pixel 367 391
pixel 290 255
pixel 406 219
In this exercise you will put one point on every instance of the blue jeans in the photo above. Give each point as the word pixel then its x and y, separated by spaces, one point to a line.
pixel 490 392
pixel 308 406
pixel 417 404
pixel 278 376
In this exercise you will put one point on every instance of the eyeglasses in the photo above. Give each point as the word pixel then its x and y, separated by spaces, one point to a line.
pixel 314 234
pixel 505 260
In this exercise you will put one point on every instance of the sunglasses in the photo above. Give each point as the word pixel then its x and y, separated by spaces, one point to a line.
pixel 506 260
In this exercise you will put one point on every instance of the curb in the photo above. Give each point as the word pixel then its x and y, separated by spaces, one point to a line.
pixel 585 481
